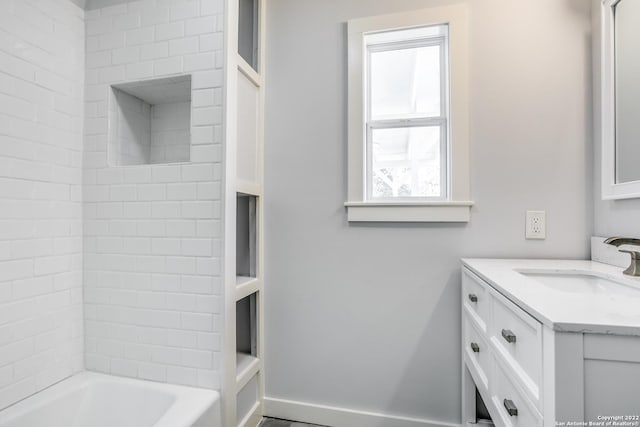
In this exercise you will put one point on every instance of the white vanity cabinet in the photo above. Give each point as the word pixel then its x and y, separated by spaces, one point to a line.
pixel 531 371
pixel 502 353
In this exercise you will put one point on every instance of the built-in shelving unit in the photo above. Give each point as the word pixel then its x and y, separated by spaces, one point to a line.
pixel 243 376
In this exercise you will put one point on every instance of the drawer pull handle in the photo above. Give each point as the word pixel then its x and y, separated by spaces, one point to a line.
pixel 510 407
pixel 475 347
pixel 473 297
pixel 508 336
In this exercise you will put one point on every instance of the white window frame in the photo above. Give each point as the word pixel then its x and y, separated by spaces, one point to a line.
pixel 455 205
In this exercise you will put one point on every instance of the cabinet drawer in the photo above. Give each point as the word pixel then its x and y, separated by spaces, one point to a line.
pixel 477 353
pixel 506 397
pixel 517 338
pixel 476 298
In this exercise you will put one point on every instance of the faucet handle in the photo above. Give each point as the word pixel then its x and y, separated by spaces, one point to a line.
pixel 634 267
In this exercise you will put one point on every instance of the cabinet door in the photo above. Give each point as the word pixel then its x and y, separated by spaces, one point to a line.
pixel 611 376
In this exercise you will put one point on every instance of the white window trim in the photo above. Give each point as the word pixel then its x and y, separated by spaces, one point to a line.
pixel 458 205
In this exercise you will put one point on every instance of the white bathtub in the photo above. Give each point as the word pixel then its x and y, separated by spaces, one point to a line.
pixel 89 399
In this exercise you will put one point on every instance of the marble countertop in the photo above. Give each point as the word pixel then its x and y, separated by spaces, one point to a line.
pixel 608 308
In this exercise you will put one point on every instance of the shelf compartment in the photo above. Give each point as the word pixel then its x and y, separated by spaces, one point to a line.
pixel 247 362
pixel 249 149
pixel 246 323
pixel 246 235
pixel 248 31
pixel 248 400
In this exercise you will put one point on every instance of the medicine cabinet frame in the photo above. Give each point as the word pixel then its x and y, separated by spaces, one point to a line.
pixel 611 190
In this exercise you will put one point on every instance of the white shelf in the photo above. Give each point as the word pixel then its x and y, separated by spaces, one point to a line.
pixel 245 68
pixel 243 280
pixel 246 286
pixel 247 366
pixel 249 188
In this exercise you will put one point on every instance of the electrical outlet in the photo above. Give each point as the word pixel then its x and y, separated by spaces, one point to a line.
pixel 536 225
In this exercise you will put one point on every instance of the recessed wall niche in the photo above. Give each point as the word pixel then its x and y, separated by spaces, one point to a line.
pixel 246 239
pixel 150 122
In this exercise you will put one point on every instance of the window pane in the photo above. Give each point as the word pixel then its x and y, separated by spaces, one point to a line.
pixel 405 83
pixel 405 162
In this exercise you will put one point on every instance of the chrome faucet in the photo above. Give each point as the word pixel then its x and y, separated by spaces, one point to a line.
pixel 634 267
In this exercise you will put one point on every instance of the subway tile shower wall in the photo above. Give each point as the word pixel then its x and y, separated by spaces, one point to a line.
pixel 41 104
pixel 152 245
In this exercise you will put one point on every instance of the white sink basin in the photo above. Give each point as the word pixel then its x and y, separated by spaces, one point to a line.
pixel 581 282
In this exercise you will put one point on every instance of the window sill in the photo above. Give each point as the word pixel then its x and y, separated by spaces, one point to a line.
pixel 446 211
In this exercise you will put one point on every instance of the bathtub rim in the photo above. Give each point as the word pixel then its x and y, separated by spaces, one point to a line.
pixel 189 405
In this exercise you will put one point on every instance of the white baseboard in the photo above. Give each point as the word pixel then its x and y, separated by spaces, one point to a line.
pixel 341 417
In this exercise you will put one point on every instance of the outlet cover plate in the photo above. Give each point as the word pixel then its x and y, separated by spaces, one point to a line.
pixel 536 225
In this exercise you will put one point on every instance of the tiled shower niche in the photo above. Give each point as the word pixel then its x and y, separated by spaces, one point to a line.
pixel 150 122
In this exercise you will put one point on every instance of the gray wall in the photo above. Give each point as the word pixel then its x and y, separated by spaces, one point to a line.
pixel 611 217
pixel 366 316
pixel 98 4
pixel 81 3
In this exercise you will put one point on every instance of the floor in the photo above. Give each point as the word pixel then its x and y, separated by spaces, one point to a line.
pixel 273 422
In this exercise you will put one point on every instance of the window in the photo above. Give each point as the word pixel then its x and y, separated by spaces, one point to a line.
pixel 408 119
pixel 406 113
